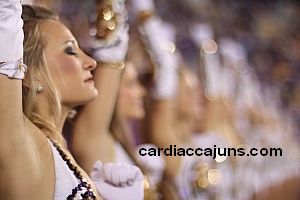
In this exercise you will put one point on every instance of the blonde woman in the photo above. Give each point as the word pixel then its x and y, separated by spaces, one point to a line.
pixel 58 78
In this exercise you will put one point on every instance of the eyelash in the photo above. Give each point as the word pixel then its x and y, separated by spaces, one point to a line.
pixel 72 53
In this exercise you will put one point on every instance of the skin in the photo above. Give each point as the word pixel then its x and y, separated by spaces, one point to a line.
pixel 130 96
pixel 188 96
pixel 94 119
pixel 123 91
pixel 70 68
pixel 22 140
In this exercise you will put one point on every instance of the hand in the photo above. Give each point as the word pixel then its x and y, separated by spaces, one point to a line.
pixel 122 181
pixel 26 2
pixel 157 34
pixel 154 165
pixel 11 30
pixel 142 5
pixel 11 33
pixel 201 32
pixel 116 52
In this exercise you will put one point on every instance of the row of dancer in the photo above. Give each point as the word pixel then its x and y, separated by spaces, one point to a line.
pixel 100 131
pixel 236 112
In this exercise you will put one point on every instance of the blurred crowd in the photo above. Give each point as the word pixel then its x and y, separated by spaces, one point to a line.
pixel 268 30
pixel 238 86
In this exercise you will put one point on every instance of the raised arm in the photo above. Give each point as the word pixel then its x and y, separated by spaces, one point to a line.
pixel 17 153
pixel 154 33
pixel 11 73
pixel 91 138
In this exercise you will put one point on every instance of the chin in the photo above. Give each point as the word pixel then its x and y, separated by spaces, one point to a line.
pixel 92 96
pixel 140 114
pixel 86 100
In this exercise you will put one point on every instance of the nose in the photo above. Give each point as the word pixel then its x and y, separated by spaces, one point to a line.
pixel 89 63
pixel 142 90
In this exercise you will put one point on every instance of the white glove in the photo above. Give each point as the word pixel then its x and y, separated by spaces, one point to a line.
pixel 201 32
pixel 120 11
pixel 166 79
pixel 143 5
pixel 212 70
pixel 11 33
pixel 112 37
pixel 233 51
pixel 155 35
pixel 119 6
pixel 29 2
pixel 122 181
pixel 116 52
pixel 155 165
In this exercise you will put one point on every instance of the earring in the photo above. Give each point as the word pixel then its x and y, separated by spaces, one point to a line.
pixel 40 87
pixel 72 113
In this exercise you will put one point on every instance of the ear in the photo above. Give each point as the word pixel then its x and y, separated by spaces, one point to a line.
pixel 26 82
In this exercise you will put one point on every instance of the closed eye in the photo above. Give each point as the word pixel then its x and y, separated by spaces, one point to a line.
pixel 71 51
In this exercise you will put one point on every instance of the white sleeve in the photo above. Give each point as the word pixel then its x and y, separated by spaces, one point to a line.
pixel 29 2
pixel 11 33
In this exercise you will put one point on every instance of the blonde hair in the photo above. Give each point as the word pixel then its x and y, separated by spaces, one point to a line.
pixel 35 59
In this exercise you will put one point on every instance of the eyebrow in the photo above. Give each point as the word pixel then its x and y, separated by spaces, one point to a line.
pixel 68 41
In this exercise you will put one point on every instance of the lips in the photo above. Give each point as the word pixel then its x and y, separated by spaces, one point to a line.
pixel 140 103
pixel 90 79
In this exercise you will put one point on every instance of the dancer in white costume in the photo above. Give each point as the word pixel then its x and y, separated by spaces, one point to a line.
pixel 172 86
pixel 104 123
pixel 240 89
pixel 42 86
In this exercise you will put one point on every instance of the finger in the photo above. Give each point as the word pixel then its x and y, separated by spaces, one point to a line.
pixel 124 176
pixel 96 173
pixel 113 172
pixel 135 174
pixel 109 191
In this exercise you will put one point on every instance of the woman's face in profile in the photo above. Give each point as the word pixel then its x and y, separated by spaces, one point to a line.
pixel 131 93
pixel 188 96
pixel 69 66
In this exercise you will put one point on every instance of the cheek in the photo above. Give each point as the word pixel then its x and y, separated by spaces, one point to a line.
pixel 68 67
pixel 127 104
pixel 64 64
pixel 125 100
pixel 122 100
pixel 64 71
pixel 186 105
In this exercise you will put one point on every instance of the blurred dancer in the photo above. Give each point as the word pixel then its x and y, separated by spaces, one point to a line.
pixel 104 124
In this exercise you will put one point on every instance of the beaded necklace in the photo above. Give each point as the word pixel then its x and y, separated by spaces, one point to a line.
pixel 83 190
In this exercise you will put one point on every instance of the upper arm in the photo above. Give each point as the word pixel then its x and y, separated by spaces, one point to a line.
pixel 11 49
pixel 162 133
pixel 17 153
pixel 11 115
pixel 93 121
pixel 95 117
